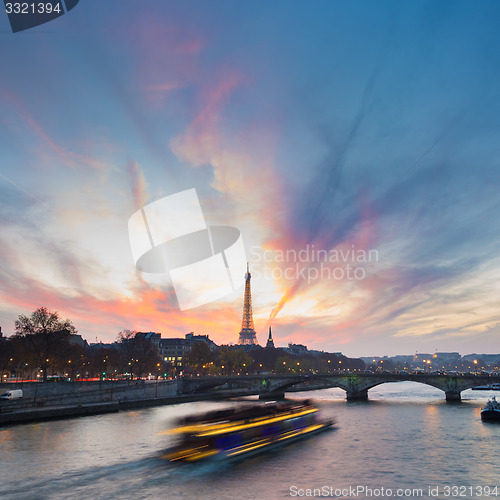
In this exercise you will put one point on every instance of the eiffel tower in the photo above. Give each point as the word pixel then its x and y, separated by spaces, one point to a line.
pixel 247 334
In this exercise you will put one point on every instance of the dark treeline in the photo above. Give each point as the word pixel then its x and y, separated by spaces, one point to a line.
pixel 233 360
pixel 44 345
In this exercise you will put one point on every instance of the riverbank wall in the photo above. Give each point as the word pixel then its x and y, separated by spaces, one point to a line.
pixel 56 393
pixel 55 400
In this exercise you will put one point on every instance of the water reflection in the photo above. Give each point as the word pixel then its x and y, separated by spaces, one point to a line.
pixel 405 437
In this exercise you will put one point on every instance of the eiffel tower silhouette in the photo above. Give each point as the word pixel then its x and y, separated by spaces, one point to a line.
pixel 247 334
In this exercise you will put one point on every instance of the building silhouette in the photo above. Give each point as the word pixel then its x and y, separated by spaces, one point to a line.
pixel 270 341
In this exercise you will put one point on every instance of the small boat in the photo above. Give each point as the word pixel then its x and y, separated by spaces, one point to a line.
pixel 237 433
pixel 491 411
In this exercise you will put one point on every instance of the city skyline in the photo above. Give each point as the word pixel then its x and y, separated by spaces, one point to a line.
pixel 353 146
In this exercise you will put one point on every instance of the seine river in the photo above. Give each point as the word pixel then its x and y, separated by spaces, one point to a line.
pixel 403 441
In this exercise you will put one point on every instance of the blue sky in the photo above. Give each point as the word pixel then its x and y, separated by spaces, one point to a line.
pixel 343 125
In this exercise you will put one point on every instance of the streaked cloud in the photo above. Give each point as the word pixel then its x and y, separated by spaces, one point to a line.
pixel 337 128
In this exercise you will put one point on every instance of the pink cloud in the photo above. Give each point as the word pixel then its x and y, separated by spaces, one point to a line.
pixel 144 307
pixel 165 52
pixel 68 158
pixel 137 184
pixel 202 141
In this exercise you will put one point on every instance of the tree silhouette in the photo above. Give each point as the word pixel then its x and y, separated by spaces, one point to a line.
pixel 234 359
pixel 45 337
pixel 139 356
pixel 198 356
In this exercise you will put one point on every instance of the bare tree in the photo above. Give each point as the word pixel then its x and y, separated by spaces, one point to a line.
pixel 45 337
pixel 198 357
pixel 139 355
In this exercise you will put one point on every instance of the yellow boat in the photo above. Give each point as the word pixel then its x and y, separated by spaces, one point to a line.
pixel 236 433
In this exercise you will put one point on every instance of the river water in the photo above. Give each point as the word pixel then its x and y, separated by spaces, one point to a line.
pixel 403 441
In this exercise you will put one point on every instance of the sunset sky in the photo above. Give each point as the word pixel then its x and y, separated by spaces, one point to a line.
pixel 368 132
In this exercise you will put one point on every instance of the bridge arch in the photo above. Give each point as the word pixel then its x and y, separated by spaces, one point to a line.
pixel 358 385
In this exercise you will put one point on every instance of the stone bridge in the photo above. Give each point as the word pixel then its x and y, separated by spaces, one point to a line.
pixel 356 385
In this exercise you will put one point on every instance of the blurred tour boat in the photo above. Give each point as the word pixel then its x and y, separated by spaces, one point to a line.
pixel 491 411
pixel 238 433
